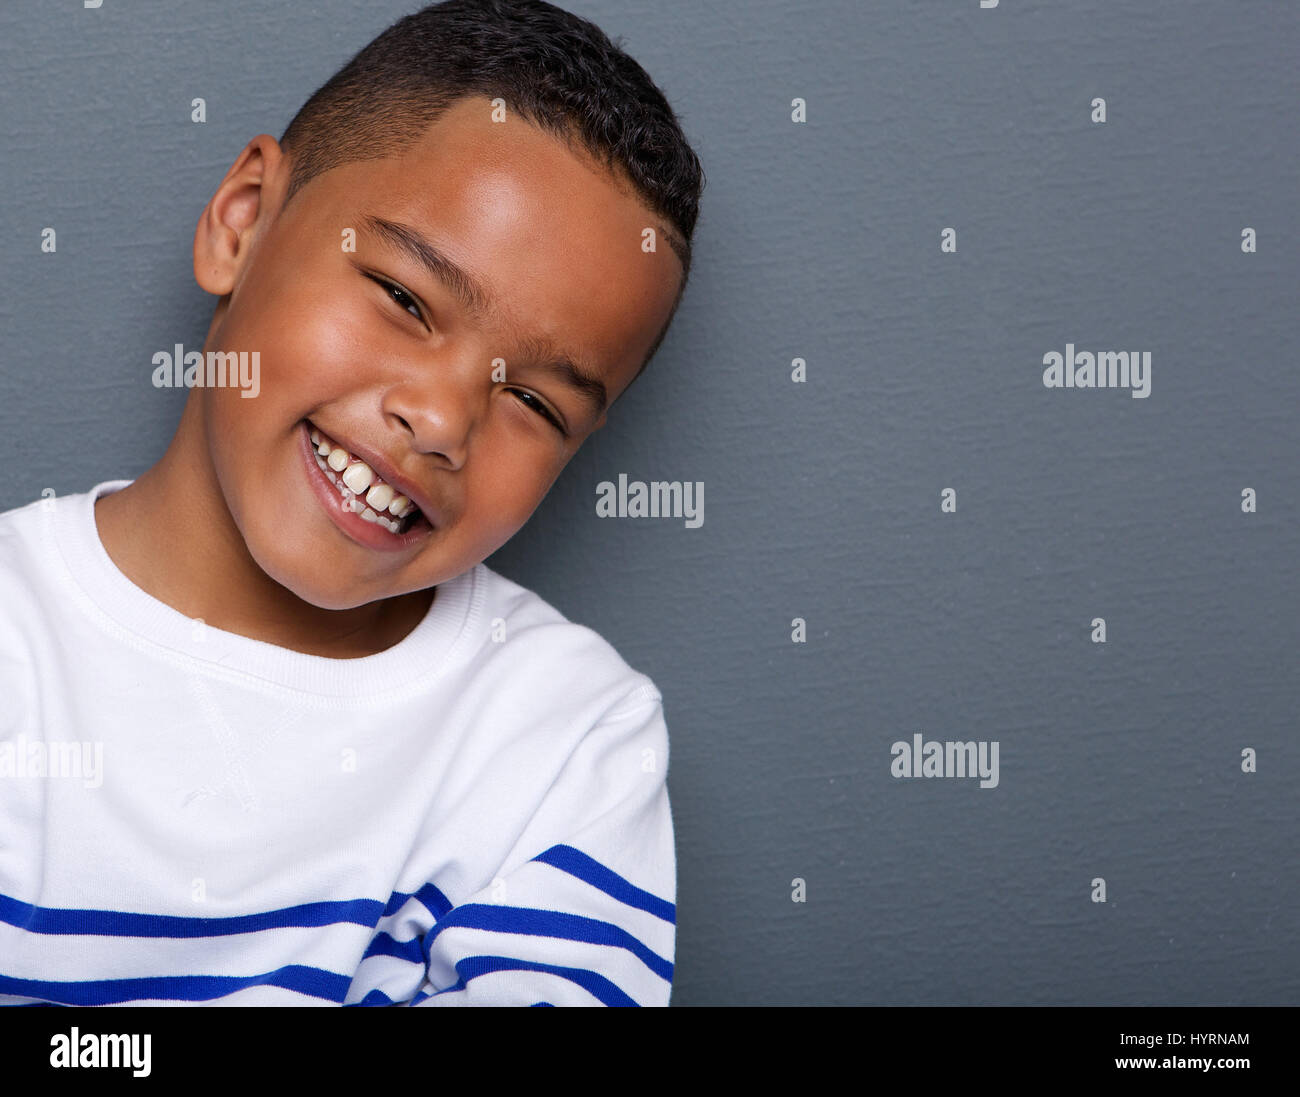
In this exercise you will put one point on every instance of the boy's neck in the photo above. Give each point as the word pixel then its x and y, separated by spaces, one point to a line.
pixel 174 538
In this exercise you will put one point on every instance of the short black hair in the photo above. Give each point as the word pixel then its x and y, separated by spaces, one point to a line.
pixel 557 70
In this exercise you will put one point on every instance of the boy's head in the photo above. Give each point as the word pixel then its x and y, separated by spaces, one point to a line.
pixel 489 189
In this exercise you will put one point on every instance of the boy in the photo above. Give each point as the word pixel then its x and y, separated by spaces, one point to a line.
pixel 273 732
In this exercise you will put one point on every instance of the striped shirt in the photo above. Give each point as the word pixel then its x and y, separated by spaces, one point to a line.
pixel 476 816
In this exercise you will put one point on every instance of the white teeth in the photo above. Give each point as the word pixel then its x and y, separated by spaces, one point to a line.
pixel 359 477
pixel 359 480
pixel 380 496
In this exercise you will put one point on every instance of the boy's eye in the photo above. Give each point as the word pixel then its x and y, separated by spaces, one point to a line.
pixel 540 408
pixel 400 296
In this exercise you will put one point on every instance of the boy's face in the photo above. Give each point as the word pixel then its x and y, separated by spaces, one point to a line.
pixel 553 244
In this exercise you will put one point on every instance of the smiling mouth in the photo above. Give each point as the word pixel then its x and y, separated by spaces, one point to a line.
pixel 364 492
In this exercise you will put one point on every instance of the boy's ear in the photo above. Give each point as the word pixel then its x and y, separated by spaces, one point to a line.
pixel 242 206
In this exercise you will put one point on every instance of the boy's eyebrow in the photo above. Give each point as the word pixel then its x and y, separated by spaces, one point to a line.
pixel 587 385
pixel 479 302
pixel 409 241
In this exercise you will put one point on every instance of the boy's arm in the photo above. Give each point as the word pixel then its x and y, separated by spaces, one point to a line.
pixel 587 915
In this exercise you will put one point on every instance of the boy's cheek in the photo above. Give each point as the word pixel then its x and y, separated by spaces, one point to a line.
pixel 492 521
pixel 308 339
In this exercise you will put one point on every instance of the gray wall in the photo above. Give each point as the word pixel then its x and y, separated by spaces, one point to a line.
pixel 1120 760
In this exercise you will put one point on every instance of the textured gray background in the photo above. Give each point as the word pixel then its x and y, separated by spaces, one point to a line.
pixel 822 500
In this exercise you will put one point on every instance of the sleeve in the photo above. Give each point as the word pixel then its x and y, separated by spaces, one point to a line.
pixel 583 911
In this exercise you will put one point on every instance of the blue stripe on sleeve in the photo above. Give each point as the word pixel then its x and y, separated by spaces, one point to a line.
pixel 384 945
pixel 179 988
pixel 471 967
pixel 434 900
pixel 375 998
pixel 549 923
pixel 395 902
pixel 576 863
pixel 119 923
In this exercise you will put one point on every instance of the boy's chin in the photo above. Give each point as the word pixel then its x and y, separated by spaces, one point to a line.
pixel 330 595
pixel 305 578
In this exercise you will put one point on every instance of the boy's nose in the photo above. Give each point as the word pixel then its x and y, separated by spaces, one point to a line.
pixel 440 413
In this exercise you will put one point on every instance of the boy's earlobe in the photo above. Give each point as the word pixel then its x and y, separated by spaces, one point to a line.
pixel 230 221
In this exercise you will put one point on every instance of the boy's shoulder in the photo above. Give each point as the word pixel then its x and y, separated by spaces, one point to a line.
pixel 30 584
pixel 22 521
pixel 34 536
pixel 23 547
pixel 525 631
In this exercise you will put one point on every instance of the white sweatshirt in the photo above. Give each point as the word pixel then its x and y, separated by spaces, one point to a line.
pixel 476 816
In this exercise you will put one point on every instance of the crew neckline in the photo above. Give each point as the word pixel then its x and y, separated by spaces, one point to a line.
pixel 422 654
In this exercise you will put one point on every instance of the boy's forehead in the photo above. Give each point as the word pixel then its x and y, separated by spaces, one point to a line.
pixel 552 244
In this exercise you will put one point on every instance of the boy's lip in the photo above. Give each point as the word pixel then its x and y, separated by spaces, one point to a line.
pixel 384 469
